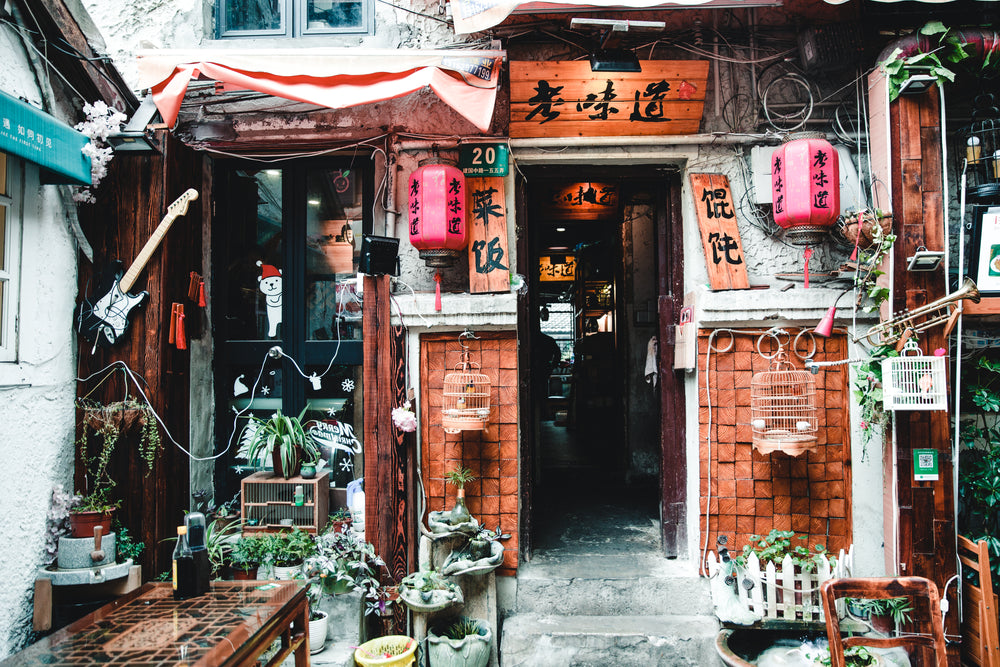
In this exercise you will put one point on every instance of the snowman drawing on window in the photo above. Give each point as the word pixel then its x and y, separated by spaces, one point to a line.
pixel 270 286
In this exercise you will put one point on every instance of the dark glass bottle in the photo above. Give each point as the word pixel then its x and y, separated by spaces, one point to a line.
pixel 183 567
pixel 196 534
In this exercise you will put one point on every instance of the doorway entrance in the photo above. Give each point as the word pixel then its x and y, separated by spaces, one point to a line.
pixel 594 245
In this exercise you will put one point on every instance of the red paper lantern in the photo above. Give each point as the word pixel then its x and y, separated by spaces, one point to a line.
pixel 805 188
pixel 437 212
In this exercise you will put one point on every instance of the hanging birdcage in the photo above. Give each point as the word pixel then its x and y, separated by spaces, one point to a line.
pixel 466 397
pixel 913 381
pixel 979 151
pixel 783 408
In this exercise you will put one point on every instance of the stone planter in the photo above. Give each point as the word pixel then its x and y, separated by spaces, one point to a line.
pixel 469 651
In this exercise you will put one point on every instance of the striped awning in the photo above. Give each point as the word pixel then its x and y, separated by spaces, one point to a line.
pixel 332 78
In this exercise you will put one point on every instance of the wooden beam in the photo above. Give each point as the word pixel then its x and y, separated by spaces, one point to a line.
pixel 386 501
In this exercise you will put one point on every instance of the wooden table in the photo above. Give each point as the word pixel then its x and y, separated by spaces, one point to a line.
pixel 233 624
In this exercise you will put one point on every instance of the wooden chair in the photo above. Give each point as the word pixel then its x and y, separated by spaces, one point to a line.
pixel 929 631
pixel 980 637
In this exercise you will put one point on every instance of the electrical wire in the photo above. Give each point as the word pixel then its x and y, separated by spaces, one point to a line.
pixel 273 158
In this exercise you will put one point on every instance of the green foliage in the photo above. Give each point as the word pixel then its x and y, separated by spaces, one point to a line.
pixel 462 627
pixel 979 459
pixel 261 436
pixel 854 656
pixel 867 390
pixel 777 544
pixel 898 608
pixel 288 548
pixel 426 580
pixel 459 477
pixel 220 535
pixel 104 426
pixel 247 552
pixel 870 294
pixel 949 50
pixel 342 514
pixel 343 562
pixel 126 546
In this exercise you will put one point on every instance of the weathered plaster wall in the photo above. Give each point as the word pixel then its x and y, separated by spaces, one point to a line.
pixel 38 389
pixel 37 393
pixel 129 25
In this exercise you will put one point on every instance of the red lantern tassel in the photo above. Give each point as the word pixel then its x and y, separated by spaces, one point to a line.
pixel 437 291
pixel 172 336
pixel 181 336
pixel 808 253
pixel 201 294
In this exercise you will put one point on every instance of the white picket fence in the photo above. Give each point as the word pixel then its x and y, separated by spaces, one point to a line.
pixel 783 593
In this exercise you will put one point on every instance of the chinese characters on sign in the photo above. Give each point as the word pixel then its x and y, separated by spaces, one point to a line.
pixel 35 135
pixel 489 264
pixel 583 201
pixel 552 268
pixel 567 99
pixel 720 236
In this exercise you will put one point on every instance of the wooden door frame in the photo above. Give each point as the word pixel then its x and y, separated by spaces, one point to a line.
pixel 673 449
pixel 670 289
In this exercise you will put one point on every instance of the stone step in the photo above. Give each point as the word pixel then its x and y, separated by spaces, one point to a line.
pixel 601 641
pixel 610 586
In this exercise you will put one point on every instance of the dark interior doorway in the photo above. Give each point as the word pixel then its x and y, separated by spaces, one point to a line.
pixel 591 312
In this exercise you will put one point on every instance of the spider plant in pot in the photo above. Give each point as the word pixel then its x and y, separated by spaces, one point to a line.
pixel 459 477
pixel 459 642
pixel 281 437
pixel 888 614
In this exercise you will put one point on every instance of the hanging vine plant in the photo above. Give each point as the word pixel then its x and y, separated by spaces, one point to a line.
pixel 104 426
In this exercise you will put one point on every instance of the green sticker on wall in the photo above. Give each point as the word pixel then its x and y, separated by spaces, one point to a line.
pixel 925 465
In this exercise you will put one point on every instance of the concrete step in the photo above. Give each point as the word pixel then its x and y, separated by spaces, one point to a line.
pixel 602 641
pixel 612 586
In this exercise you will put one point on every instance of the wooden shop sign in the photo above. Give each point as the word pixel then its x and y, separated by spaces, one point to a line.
pixel 713 200
pixel 486 215
pixel 566 99
pixel 584 200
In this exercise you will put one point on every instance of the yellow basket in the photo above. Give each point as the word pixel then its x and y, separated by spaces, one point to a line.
pixel 373 652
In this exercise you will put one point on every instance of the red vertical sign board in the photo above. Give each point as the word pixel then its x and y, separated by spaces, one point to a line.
pixel 486 219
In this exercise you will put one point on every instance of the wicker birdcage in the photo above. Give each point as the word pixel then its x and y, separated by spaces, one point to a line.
pixel 466 398
pixel 913 381
pixel 783 409
pixel 980 159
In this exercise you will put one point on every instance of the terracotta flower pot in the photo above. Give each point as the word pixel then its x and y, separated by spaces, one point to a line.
pixel 82 524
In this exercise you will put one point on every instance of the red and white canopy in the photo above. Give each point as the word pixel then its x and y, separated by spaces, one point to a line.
pixel 333 78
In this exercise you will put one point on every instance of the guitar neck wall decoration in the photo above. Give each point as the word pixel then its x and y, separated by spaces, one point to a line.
pixel 106 320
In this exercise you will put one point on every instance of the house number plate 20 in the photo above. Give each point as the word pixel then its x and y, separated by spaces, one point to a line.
pixel 483 159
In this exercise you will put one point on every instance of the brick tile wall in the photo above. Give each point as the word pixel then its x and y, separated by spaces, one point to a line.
pixel 493 498
pixel 753 493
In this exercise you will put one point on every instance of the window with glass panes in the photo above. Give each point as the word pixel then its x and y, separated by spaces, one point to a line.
pixel 294 18
pixel 286 247
pixel 9 259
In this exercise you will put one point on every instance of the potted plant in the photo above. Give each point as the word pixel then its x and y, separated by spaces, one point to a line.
pixel 318 619
pixel 287 551
pixel 102 428
pixel 425 591
pixel 459 477
pixel 887 614
pixel 481 554
pixel 245 557
pixel 459 642
pixel 281 437
pixel 340 520
pixel 220 536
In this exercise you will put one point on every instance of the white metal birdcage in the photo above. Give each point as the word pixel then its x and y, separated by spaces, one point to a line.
pixel 783 408
pixel 913 381
pixel 465 404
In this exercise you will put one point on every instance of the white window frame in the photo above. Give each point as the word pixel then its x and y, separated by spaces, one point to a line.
pixel 11 275
pixel 294 23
